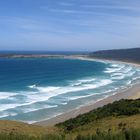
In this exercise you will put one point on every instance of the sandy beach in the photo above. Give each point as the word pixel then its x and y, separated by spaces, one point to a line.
pixel 132 92
pixel 87 58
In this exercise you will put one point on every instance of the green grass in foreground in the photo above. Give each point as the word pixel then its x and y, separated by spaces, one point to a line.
pixel 131 134
pixel 117 121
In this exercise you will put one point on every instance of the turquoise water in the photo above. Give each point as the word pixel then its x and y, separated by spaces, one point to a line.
pixel 32 90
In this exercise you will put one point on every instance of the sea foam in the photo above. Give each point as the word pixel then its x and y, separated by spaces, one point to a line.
pixel 58 97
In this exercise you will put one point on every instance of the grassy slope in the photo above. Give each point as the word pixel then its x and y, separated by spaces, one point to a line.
pixel 8 127
pixel 118 108
pixel 114 118
pixel 113 124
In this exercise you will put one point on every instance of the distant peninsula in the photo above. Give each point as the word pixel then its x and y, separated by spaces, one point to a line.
pixel 127 55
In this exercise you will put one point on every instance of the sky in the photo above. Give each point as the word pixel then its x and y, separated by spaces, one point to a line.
pixel 69 25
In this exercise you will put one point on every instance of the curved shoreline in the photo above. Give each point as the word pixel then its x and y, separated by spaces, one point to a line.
pixel 128 93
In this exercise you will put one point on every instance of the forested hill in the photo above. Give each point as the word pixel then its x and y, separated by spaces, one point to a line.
pixel 129 55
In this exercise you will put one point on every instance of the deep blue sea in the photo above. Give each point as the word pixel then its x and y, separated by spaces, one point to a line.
pixel 36 89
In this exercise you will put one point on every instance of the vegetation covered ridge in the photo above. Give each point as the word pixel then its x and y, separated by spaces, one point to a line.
pixel 116 121
pixel 118 108
pixel 127 55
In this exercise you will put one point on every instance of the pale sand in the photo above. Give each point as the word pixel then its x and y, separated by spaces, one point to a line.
pixel 130 93
pixel 136 96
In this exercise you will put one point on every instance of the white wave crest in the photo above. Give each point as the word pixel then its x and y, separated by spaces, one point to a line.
pixel 82 81
pixel 32 86
pixel 6 95
pixel 112 70
pixel 117 76
pixel 45 93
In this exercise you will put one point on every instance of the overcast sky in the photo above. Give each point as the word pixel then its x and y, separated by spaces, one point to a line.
pixel 69 25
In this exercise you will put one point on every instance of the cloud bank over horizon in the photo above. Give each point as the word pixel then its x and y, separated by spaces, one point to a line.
pixel 69 25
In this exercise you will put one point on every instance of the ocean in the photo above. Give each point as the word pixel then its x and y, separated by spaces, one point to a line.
pixel 36 89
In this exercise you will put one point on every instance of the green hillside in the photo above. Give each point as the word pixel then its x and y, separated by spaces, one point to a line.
pixel 118 108
pixel 128 55
pixel 117 121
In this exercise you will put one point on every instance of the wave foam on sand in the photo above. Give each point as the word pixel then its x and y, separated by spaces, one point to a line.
pixel 43 97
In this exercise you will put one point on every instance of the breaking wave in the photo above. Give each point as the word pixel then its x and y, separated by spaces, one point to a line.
pixel 37 97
